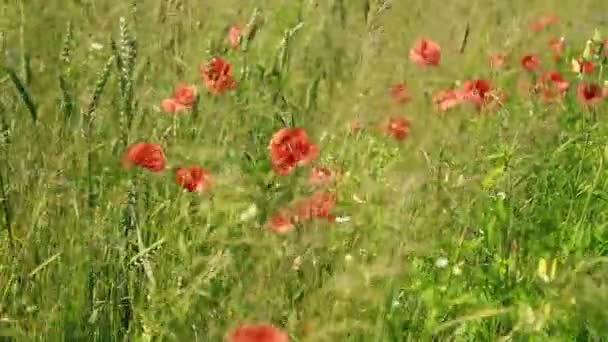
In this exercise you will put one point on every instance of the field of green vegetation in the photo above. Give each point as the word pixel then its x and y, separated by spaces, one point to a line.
pixel 303 170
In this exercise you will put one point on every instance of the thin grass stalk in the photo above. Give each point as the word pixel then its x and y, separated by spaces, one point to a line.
pixel 129 224
pixel 4 182
pixel 102 80
pixel 339 9
pixel 24 94
pixel 67 101
pixel 282 54
pixel 6 208
pixel 25 70
pixel 280 66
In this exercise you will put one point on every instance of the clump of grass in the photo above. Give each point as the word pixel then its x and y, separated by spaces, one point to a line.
pixel 476 225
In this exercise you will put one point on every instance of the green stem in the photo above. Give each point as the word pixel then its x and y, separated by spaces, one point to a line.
pixel 7 211
pixel 24 63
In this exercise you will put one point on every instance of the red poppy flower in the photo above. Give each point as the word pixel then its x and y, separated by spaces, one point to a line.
pixel 321 175
pixel 290 147
pixel 552 85
pixel 557 47
pixel 480 93
pixel 185 94
pixel 397 127
pixel 497 60
pixel 540 23
pixel 234 36
pixel 256 333
pixel 447 99
pixel 589 94
pixel 281 223
pixel 318 205
pixel 426 53
pixel 147 155
pixel 217 75
pixel 476 91
pixel 183 98
pixel 170 105
pixel 400 93
pixel 530 62
pixel 193 178
pixel 605 47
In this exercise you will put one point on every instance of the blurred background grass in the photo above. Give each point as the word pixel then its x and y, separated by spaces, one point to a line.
pixel 107 254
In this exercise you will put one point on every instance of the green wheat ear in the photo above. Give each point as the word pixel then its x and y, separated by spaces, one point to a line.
pixel 67 45
pixel 100 85
pixel 102 79
pixel 282 55
pixel 65 57
pixel 253 25
pixel 134 10
pixel 127 52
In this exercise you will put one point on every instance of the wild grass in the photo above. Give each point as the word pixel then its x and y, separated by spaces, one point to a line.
pixel 478 227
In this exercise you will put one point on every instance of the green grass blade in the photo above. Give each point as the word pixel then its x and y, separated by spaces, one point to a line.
pixel 23 93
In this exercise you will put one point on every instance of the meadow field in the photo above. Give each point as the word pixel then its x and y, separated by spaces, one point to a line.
pixel 303 170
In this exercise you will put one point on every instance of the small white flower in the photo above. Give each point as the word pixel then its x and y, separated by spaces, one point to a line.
pixel 441 262
pixel 96 46
pixel 249 213
pixel 501 195
pixel 342 219
pixel 358 199
pixel 297 263
pixel 348 258
pixel 456 270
